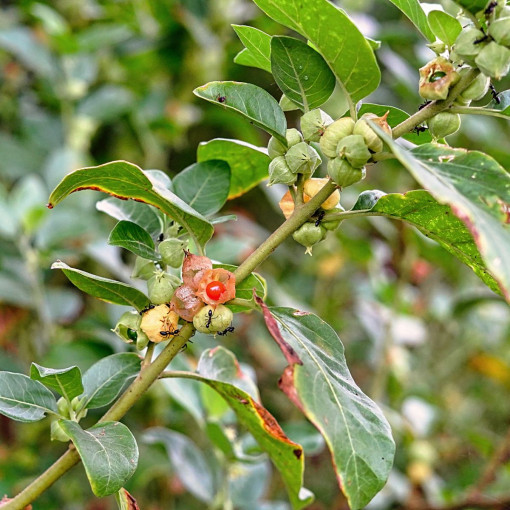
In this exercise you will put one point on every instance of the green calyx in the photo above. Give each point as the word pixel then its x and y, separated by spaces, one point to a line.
pixel 314 124
pixel 443 124
pixel 280 173
pixel 494 60
pixel 354 149
pixel 343 173
pixel 276 148
pixel 333 224
pixel 161 287
pixel 172 251
pixel 468 44
pixel 302 159
pixel 128 326
pixel 476 90
pixel 144 268
pixel 309 234
pixel 334 133
pixel 211 320
pixel 499 30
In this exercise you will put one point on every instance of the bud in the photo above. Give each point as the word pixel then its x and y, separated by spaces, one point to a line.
pixel 443 124
pixel 302 159
pixel 143 269
pixel 276 148
pixel 468 44
pixel 159 323
pixel 210 319
pixel 172 251
pixel 57 433
pixel 161 287
pixel 437 47
pixel 127 326
pixel 63 407
pixel 334 133
pixel 363 128
pixel 477 89
pixel 313 186
pixel 343 173
pixel 280 173
pixel 308 235
pixel 354 149
pixel 494 60
pixel 193 268
pixel 499 30
pixel 436 79
pixel 314 124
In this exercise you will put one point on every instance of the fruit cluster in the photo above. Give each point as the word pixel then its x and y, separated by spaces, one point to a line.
pixel 347 144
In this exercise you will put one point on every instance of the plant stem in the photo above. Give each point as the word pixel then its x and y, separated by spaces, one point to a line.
pixel 478 110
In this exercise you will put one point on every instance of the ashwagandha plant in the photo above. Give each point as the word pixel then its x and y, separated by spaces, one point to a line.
pixel 464 206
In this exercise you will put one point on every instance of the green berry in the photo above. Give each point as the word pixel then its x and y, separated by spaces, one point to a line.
pixel 309 234
pixel 161 287
pixel 443 124
pixel 343 173
pixel 172 251
pixel 211 320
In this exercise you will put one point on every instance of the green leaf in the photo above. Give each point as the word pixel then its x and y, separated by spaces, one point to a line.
pixel 504 103
pixel 188 461
pixel 248 164
pixel 250 101
pixel 146 216
pixel 204 185
pixel 65 381
pixel 103 288
pixel 125 501
pixel 413 10
pixel 477 189
pixel 125 180
pixel 445 27
pixel 435 220
pixel 218 369
pixel 335 37
pixel 473 6
pixel 22 399
pixel 301 73
pixel 132 237
pixel 104 380
pixel 258 48
pixel 108 451
pixel 318 381
pixel 395 117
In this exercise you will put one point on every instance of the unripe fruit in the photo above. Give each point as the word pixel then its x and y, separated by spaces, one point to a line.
pixel 172 251
pixel 308 235
pixel 313 186
pixel 143 269
pixel 354 149
pixel 499 30
pixel 302 159
pixel 210 319
pixel 159 323
pixel 363 128
pixel 63 407
pixel 465 46
pixel 276 148
pixel 161 287
pixel 436 79
pixel 128 326
pixel 443 124
pixel 343 173
pixel 334 133
pixel 314 124
pixel 477 89
pixel 280 173
pixel 494 60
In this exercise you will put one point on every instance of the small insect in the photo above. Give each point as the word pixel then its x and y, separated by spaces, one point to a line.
pixel 209 315
pixel 161 237
pixel 490 8
pixel 420 129
pixel 319 218
pixel 482 39
pixel 230 329
pixel 147 308
pixel 169 333
pixel 426 103
pixel 221 99
pixel 494 93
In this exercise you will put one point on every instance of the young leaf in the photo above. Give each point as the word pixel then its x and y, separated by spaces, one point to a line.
pixel 250 101
pixel 22 399
pixel 130 236
pixel 258 48
pixel 445 27
pixel 125 501
pixel 108 451
pixel 335 37
pixel 413 10
pixel 218 369
pixel 66 381
pixel 477 189
pixel 204 185
pixel 318 381
pixel 125 180
pixel 188 461
pixel 104 380
pixel 301 73
pixel 248 164
pixel 103 288
pixel 146 216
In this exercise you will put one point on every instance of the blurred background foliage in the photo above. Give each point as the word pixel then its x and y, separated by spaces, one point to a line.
pixel 83 82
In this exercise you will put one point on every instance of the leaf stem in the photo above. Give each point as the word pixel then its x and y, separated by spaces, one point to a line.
pixel 479 110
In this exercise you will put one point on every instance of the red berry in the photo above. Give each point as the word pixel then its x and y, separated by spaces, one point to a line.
pixel 214 290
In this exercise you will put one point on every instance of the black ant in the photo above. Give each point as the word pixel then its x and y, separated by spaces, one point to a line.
pixel 147 308
pixel 495 94
pixel 420 129
pixel 221 99
pixel 169 333
pixel 185 346
pixel 426 103
pixel 490 8
pixel 230 329
pixel 161 237
pixel 482 39
pixel 320 218
pixel 210 316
